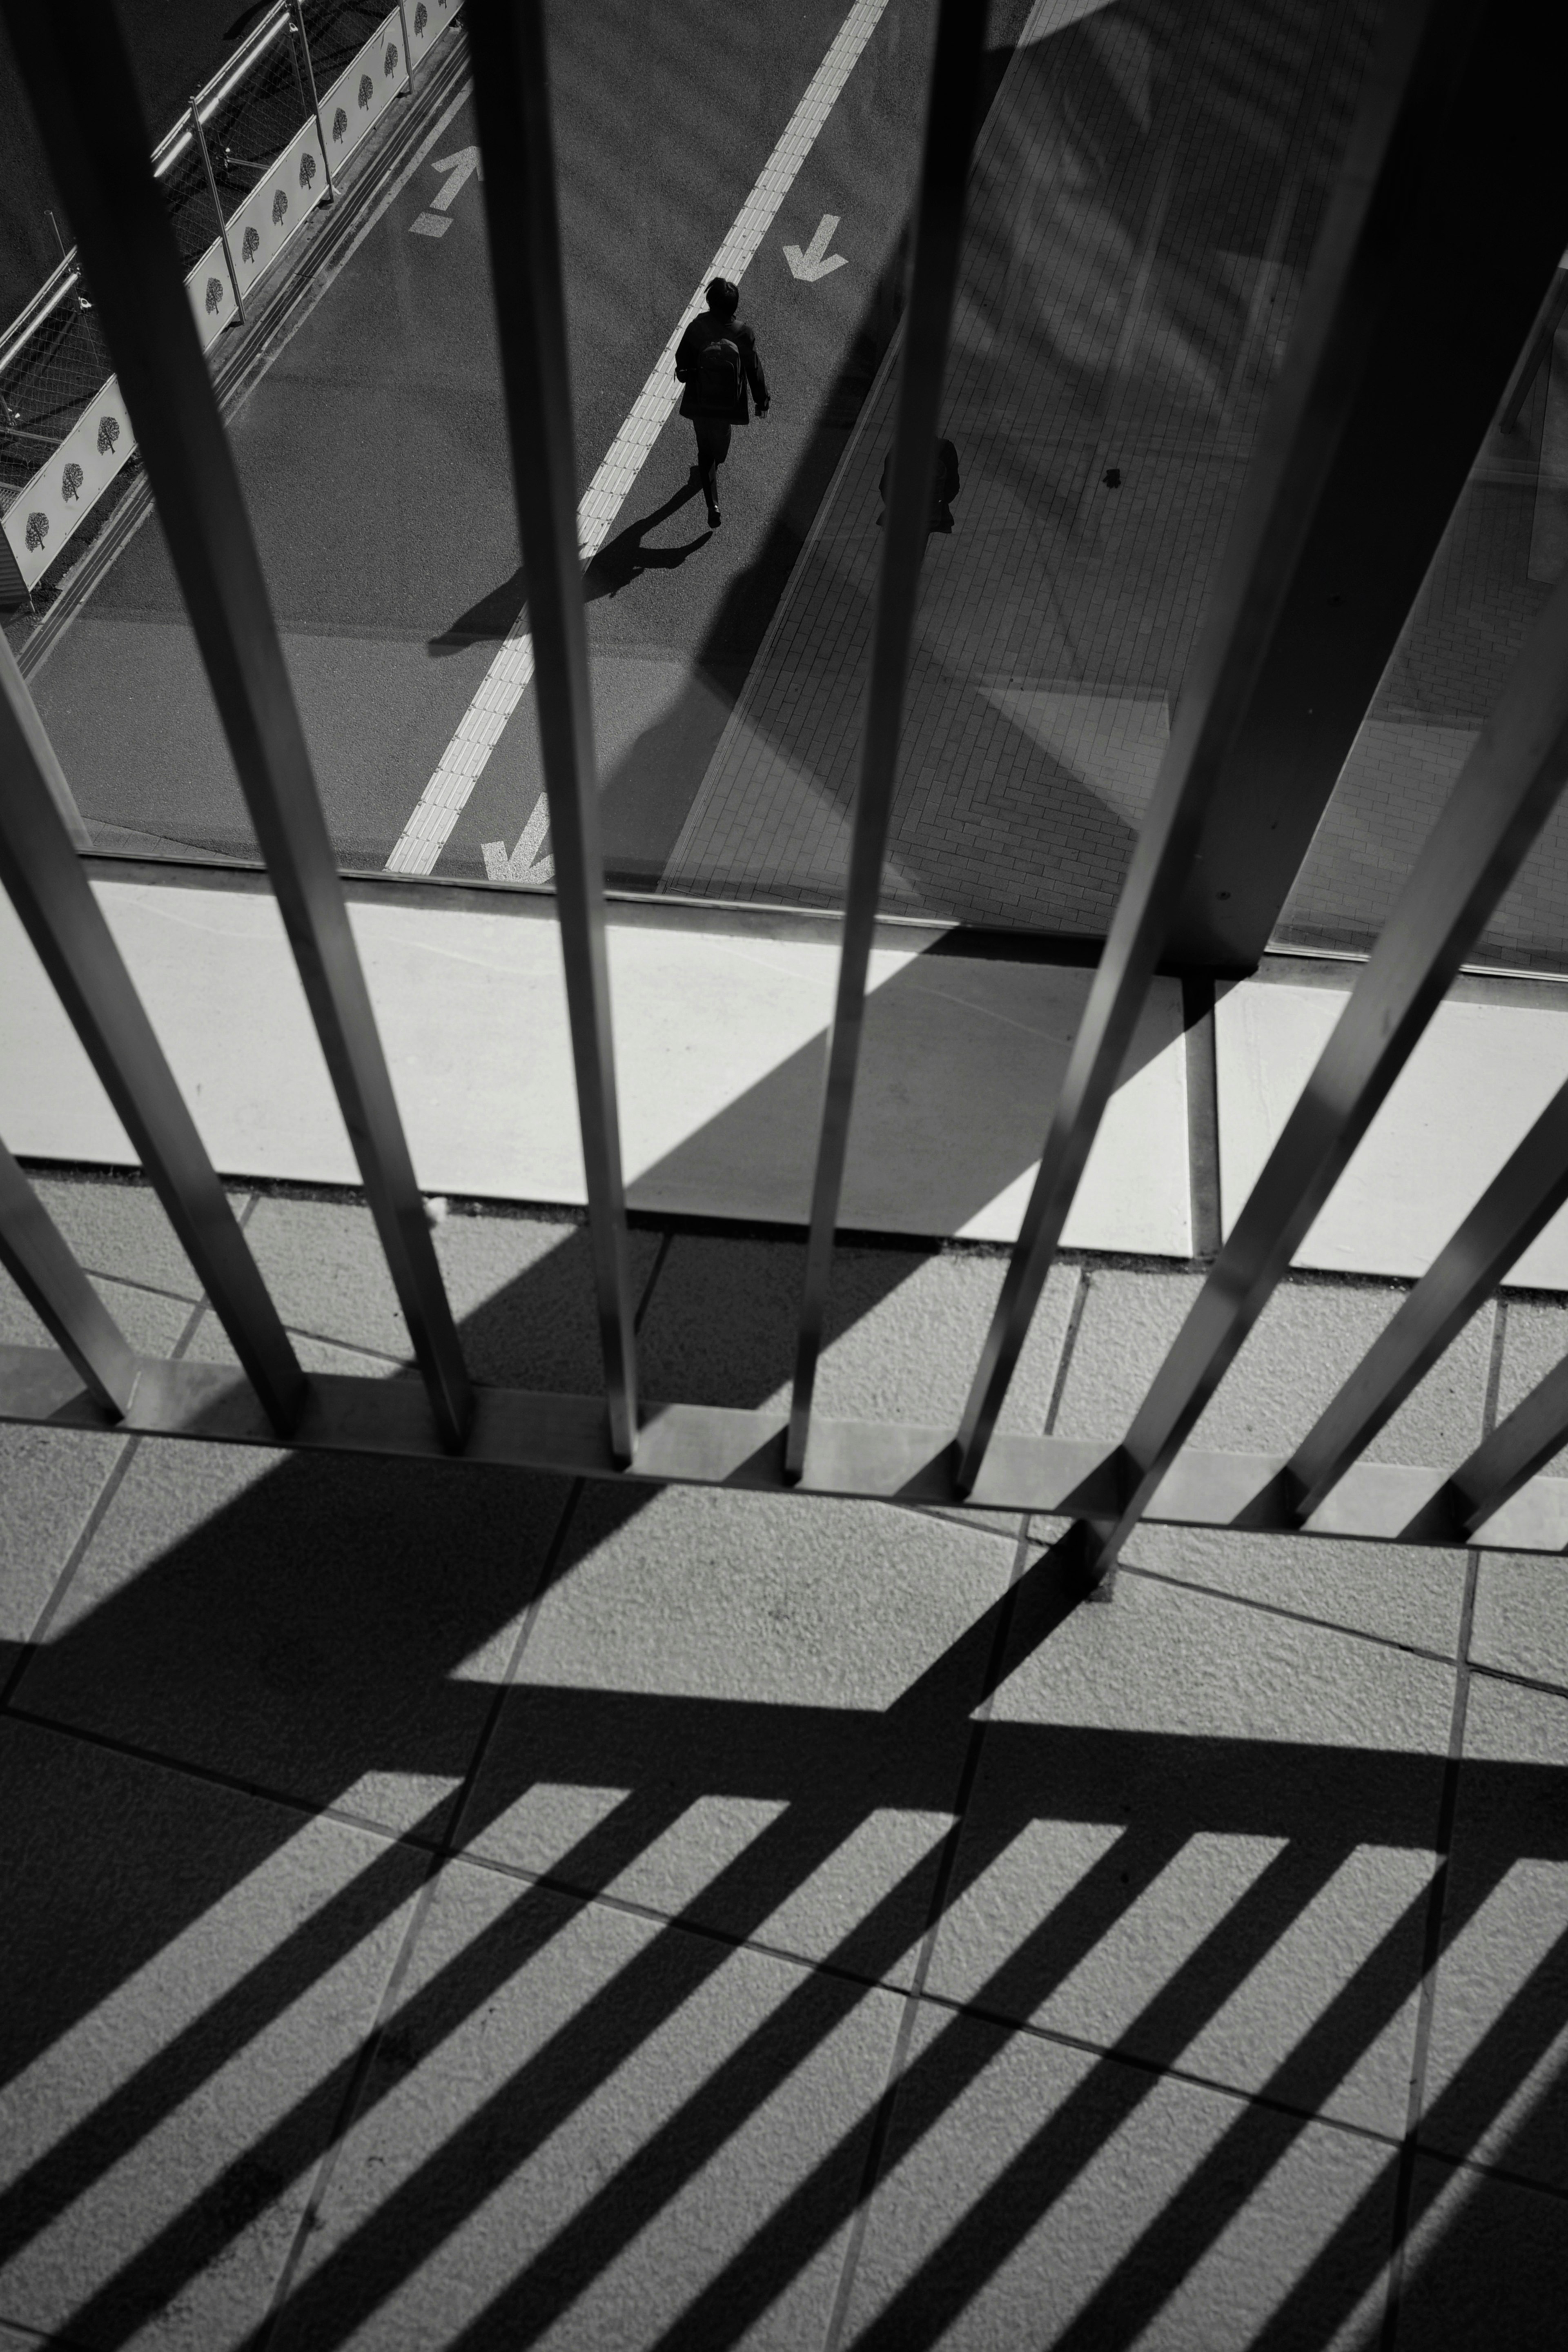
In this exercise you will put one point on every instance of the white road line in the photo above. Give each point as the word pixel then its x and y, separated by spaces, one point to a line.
pixel 506 681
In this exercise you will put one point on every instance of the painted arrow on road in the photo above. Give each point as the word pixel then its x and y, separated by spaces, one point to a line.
pixel 458 167
pixel 816 261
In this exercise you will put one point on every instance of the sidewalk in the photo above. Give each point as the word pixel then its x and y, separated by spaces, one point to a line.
pixel 1142 209
pixel 451 1906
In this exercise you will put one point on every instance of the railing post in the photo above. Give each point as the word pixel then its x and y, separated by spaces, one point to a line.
pixel 201 140
pixel 297 14
pixel 938 235
pixel 78 77
pixel 36 1257
pixel 408 50
pixel 512 102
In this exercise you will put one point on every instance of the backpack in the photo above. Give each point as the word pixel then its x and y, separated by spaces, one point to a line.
pixel 718 374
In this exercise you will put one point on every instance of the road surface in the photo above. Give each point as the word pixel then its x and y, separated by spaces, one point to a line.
pixel 372 452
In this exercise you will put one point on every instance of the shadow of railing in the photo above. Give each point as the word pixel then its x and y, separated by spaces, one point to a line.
pixel 357 1596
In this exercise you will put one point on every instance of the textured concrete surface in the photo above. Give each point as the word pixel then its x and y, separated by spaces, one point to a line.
pixel 449 1907
pixel 719 1039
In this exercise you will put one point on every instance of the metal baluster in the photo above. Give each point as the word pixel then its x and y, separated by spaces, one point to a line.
pixel 939 235
pixel 1516 1207
pixel 1300 600
pixel 511 100
pixel 50 892
pixel 297 16
pixel 1531 1436
pixel 201 140
pixel 1505 792
pixel 58 1292
pixel 78 77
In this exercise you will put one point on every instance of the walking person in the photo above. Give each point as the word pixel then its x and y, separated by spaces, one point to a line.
pixel 715 360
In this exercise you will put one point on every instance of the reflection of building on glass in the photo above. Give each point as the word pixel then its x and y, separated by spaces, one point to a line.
pixel 944 488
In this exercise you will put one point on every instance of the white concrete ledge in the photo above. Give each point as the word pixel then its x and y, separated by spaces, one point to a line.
pixel 720 1043
pixel 1481 1074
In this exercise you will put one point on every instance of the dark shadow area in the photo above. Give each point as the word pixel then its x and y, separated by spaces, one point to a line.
pixel 491 619
pixel 968 1138
pixel 320 1628
pixel 625 558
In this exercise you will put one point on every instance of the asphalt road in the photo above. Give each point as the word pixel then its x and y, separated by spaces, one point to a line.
pixel 372 452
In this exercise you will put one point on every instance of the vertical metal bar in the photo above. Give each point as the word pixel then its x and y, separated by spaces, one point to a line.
pixel 58 1292
pixel 938 235
pixel 1263 659
pixel 1504 793
pixel 1516 1207
pixel 50 892
pixel 78 77
pixel 1533 1433
pixel 511 99
pixel 201 138
pixel 297 8
pixel 294 62
pixel 408 49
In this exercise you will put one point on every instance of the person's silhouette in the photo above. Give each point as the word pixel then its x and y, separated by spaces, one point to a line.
pixel 945 486
pixel 715 360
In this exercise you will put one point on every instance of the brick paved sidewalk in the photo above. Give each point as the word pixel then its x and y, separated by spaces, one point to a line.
pixel 1143 205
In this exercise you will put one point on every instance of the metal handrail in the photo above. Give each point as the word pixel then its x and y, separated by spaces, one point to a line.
pixel 1443 82
pixel 211 95
pixel 60 282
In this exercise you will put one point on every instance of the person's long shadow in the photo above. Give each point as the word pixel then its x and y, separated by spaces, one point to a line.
pixel 625 558
pixel 619 563
pixel 315 1638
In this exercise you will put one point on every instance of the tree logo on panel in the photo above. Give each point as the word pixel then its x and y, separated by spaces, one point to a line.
pixel 214 296
pixel 70 481
pixel 366 89
pixel 307 170
pixel 279 207
pixel 252 244
pixel 37 530
pixel 108 426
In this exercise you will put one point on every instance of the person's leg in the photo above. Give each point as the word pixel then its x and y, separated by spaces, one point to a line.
pixel 709 454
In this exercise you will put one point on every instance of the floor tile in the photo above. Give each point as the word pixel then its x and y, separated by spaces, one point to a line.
pixel 151 1320
pixel 210 1344
pixel 328 1628
pixel 1488 2263
pixel 520 1287
pixel 522 1291
pixel 1534 1341
pixel 752 1708
pixel 1499 2040
pixel 189 1973
pixel 904 1330
pixel 1521 1626
pixel 1032 2194
pixel 323 1264
pixel 1309 1336
pixel 580 2125
pixel 1204 1835
pixel 1397 1592
pixel 118 1228
pixel 49 1481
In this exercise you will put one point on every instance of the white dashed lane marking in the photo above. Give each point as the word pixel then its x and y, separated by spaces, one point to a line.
pixel 506 681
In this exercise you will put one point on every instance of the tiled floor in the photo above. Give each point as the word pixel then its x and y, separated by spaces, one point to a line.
pixel 449 1907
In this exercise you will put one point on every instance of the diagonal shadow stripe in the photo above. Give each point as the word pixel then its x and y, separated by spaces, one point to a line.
pixel 201 2232
pixel 931 2085
pixel 1495 2070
